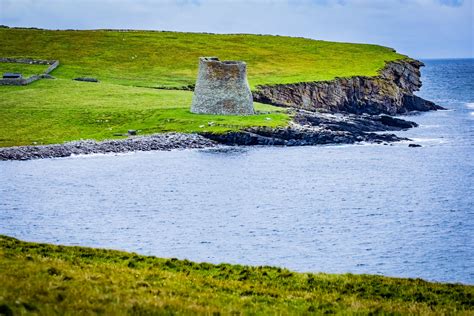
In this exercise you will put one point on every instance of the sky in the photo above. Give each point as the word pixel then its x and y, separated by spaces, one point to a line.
pixel 418 28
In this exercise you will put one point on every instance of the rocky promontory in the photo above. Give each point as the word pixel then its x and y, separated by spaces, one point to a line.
pixel 391 92
pixel 343 110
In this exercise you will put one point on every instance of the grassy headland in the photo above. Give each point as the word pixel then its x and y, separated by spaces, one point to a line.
pixel 47 279
pixel 129 63
pixel 157 59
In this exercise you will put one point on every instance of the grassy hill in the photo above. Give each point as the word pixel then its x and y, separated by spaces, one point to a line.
pixel 156 59
pixel 129 63
pixel 48 280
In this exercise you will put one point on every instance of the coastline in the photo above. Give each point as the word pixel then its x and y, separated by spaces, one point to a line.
pixel 341 111
pixel 164 142
pixel 306 129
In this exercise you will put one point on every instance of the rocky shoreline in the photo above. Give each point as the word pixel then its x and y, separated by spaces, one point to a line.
pixel 306 128
pixel 341 111
pixel 166 141
pixel 317 128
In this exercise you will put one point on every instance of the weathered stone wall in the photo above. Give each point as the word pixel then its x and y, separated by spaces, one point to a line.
pixel 222 88
pixel 391 92
pixel 27 61
pixel 24 81
pixel 53 66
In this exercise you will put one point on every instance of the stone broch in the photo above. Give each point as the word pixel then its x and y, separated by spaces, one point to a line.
pixel 222 88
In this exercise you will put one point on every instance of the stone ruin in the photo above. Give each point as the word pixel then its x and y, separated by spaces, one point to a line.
pixel 222 88
pixel 15 79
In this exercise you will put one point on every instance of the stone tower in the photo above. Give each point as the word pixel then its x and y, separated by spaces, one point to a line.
pixel 222 88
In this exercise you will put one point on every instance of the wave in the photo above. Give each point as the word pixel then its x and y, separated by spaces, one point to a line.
pixel 470 105
pixel 429 140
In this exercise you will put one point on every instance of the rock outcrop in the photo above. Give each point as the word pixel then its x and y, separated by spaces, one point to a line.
pixel 222 88
pixel 316 128
pixel 391 92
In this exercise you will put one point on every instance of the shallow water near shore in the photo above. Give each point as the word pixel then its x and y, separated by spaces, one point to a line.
pixel 374 209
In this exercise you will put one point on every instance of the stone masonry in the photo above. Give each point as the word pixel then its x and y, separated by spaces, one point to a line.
pixel 53 64
pixel 222 88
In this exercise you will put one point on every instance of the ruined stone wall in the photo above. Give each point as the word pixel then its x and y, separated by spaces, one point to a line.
pixel 222 88
pixel 24 81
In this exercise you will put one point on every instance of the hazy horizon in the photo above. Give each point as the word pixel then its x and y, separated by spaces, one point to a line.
pixel 423 29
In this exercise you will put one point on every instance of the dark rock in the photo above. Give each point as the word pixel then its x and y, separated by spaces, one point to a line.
pixel 86 79
pixel 414 145
pixel 415 103
pixel 132 132
pixel 396 122
pixel 313 128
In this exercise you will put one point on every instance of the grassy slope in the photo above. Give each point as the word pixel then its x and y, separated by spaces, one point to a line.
pixel 49 111
pixel 57 280
pixel 153 59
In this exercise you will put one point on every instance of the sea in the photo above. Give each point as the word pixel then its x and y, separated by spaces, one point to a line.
pixel 365 209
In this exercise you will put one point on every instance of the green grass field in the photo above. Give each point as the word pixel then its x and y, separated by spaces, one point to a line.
pixel 156 59
pixel 54 111
pixel 47 280
pixel 129 63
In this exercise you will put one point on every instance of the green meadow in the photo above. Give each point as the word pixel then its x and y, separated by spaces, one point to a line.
pixel 54 111
pixel 49 280
pixel 142 74
pixel 170 59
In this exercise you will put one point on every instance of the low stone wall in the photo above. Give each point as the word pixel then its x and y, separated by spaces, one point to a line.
pixel 25 81
pixel 53 66
pixel 26 61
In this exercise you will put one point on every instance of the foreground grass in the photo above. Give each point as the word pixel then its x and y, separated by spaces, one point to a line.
pixel 54 111
pixel 153 59
pixel 49 279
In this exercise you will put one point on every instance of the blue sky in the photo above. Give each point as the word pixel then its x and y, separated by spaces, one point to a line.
pixel 419 28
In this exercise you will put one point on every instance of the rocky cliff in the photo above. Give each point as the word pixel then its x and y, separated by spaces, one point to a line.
pixel 391 92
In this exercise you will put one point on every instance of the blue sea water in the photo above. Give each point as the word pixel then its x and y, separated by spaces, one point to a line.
pixel 389 210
